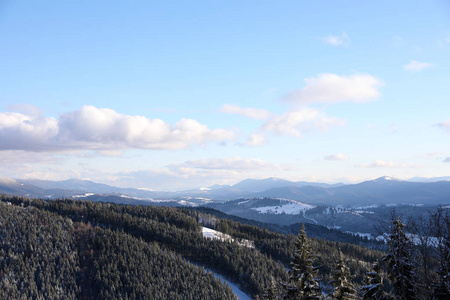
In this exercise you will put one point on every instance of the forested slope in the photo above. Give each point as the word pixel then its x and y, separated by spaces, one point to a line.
pixel 45 256
pixel 112 251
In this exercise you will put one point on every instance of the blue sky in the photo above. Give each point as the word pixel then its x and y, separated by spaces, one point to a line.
pixel 181 94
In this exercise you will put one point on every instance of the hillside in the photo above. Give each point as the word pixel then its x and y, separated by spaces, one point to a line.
pixel 91 229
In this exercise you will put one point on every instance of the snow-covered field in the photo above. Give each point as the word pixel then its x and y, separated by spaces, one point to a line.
pixel 213 234
pixel 292 208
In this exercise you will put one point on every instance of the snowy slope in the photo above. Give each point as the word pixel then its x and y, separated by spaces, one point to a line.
pixel 290 208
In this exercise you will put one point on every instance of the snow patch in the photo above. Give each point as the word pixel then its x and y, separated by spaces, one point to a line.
pixel 293 208
pixel 213 234
pixel 243 202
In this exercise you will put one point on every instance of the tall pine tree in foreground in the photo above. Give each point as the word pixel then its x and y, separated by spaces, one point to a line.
pixel 441 222
pixel 343 288
pixel 302 283
pixel 373 285
pixel 399 264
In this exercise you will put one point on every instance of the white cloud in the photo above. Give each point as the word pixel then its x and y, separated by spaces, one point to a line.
pixel 296 122
pixel 102 129
pixel 232 163
pixel 444 125
pixel 202 172
pixel 26 132
pixel 338 156
pixel 256 139
pixel 254 113
pixel 337 40
pixel 384 164
pixel 415 66
pixel 447 160
pixel 332 88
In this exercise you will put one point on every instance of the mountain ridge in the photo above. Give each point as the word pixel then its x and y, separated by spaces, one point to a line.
pixel 382 190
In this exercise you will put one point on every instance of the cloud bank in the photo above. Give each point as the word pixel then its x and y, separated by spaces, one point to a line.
pixel 444 125
pixel 384 164
pixel 338 156
pixel 102 129
pixel 332 88
pixel 415 66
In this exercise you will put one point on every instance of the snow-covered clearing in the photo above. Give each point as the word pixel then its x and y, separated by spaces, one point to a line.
pixel 213 234
pixel 293 208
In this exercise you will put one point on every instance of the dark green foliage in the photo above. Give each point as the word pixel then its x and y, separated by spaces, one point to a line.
pixel 271 293
pixel 373 285
pixel 399 264
pixel 343 288
pixel 441 229
pixel 45 256
pixel 174 230
pixel 303 282
pixel 38 259
pixel 135 269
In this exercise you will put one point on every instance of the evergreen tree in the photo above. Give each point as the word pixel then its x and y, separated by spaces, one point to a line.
pixel 441 224
pixel 399 265
pixel 373 285
pixel 302 282
pixel 343 288
pixel 271 293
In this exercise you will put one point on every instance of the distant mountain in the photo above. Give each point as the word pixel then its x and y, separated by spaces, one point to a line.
pixel 77 187
pixel 11 186
pixel 384 190
pixel 432 179
pixel 259 185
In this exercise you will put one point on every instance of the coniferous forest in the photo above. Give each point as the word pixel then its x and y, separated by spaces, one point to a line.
pixel 73 249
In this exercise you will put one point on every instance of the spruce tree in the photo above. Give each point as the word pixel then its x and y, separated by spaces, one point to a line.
pixel 343 288
pixel 399 265
pixel 442 232
pixel 373 285
pixel 271 292
pixel 302 282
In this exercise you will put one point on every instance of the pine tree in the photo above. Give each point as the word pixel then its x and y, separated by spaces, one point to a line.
pixel 442 232
pixel 302 282
pixel 399 265
pixel 343 288
pixel 271 292
pixel 373 285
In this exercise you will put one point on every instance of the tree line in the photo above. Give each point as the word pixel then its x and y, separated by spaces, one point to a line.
pixel 406 267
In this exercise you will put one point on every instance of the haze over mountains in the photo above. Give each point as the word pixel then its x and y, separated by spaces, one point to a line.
pixel 384 190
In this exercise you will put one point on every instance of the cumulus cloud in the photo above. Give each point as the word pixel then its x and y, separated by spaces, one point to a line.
pixel 332 88
pixel 444 125
pixel 415 66
pixel 254 113
pixel 296 122
pixel 256 139
pixel 101 129
pixel 26 132
pixel 338 156
pixel 384 164
pixel 337 40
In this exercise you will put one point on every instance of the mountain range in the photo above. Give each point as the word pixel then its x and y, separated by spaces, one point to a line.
pixel 383 190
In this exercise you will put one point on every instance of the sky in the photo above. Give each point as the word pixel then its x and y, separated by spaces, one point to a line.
pixel 171 95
